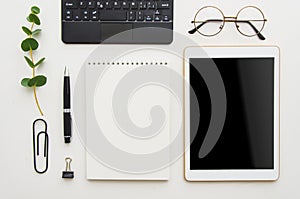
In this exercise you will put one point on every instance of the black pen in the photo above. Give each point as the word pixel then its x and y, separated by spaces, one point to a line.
pixel 67 108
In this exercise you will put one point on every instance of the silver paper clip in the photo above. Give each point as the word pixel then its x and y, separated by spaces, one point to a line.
pixel 36 145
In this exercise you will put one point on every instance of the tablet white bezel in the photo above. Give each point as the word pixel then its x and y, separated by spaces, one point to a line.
pixel 231 52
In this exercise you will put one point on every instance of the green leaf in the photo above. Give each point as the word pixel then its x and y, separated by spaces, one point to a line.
pixel 26 30
pixel 40 62
pixel 35 10
pixel 28 44
pixel 35 19
pixel 25 82
pixel 38 81
pixel 30 63
pixel 29 19
pixel 37 31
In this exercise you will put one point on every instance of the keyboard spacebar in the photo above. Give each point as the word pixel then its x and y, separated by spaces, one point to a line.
pixel 113 16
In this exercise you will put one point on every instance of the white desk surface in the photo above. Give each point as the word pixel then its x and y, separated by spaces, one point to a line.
pixel 18 109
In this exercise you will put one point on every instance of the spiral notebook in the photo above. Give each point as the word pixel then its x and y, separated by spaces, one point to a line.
pixel 127 120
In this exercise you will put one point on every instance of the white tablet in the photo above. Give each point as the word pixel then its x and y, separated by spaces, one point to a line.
pixel 231 114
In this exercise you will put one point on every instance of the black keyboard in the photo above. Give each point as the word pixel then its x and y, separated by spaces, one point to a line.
pixel 137 13
pixel 120 10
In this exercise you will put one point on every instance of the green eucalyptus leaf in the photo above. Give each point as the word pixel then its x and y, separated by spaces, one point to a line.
pixel 35 10
pixel 35 19
pixel 31 82
pixel 26 30
pixel 25 82
pixel 38 81
pixel 40 62
pixel 28 44
pixel 29 19
pixel 37 31
pixel 30 63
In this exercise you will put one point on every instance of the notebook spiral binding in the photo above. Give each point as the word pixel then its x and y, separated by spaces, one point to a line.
pixel 129 63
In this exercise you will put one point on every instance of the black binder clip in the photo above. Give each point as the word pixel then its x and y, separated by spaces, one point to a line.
pixel 36 145
pixel 68 174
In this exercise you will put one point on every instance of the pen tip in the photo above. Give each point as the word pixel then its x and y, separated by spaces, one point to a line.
pixel 66 71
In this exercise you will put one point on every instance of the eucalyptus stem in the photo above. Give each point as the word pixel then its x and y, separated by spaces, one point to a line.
pixel 30 44
pixel 37 101
pixel 33 75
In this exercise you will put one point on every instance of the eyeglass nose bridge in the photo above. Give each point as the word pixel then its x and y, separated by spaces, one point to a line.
pixel 230 19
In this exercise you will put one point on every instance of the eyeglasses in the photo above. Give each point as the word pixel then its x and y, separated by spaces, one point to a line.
pixel 210 20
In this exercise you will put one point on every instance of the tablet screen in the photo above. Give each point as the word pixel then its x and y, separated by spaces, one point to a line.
pixel 246 141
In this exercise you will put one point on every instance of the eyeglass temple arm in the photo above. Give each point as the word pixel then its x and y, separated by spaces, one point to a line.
pixel 260 36
pixel 201 24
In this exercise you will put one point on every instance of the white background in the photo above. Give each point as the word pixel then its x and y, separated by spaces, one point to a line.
pixel 17 178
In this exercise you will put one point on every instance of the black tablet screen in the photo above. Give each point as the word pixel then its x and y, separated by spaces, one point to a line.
pixel 246 141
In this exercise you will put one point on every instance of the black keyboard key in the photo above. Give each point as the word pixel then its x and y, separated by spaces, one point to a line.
pixel 131 16
pixel 167 13
pixel 151 5
pixel 166 18
pixel 125 5
pixel 108 4
pixel 163 5
pixel 85 15
pixel 140 16
pixel 100 5
pixel 117 5
pixel 157 12
pixel 149 17
pixel 91 4
pixel 76 15
pixel 82 4
pixel 113 15
pixel 157 18
pixel 71 5
pixel 142 5
pixel 134 5
pixel 68 15
pixel 94 15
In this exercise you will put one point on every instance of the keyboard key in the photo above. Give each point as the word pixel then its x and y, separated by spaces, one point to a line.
pixel 133 5
pixel 143 5
pixel 113 15
pixel 116 5
pixel 157 18
pixel 163 5
pixel 148 17
pixel 125 5
pixel 82 4
pixel 85 15
pixel 157 12
pixel 91 4
pixel 71 5
pixel 76 16
pixel 94 15
pixel 131 16
pixel 151 5
pixel 166 18
pixel 140 16
pixel 108 4
pixel 68 15
pixel 100 5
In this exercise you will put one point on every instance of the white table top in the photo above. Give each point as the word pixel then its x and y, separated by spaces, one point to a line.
pixel 18 109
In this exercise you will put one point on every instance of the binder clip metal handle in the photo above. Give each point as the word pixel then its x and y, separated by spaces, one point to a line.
pixel 68 174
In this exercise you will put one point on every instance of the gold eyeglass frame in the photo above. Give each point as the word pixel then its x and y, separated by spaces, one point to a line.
pixel 230 19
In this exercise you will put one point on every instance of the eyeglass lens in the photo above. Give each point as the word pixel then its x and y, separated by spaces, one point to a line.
pixel 211 19
pixel 249 17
